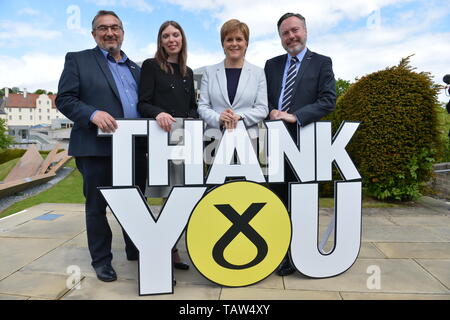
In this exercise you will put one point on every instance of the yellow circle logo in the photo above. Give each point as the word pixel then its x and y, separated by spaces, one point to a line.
pixel 238 234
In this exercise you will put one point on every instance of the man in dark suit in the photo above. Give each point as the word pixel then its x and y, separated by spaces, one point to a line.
pixel 301 90
pixel 96 87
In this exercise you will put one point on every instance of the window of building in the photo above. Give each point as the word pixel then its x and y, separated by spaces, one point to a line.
pixel 31 117
pixel 40 118
pixel 39 101
pixel 48 102
pixel 31 110
pixel 20 109
pixel 48 117
pixel 20 117
pixel 40 110
pixel 48 110
pixel 10 117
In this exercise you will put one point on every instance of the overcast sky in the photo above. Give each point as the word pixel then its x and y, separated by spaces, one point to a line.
pixel 360 36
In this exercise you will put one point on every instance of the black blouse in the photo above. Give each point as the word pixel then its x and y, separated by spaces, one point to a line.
pixel 165 92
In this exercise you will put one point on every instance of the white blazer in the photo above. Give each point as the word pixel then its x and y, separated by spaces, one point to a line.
pixel 250 101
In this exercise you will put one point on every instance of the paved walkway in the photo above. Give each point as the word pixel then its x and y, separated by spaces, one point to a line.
pixel 41 248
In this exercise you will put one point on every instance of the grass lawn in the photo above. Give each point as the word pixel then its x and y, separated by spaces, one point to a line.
pixel 66 191
pixel 6 167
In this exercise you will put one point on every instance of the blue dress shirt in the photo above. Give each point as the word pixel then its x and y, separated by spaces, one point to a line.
pixel 126 85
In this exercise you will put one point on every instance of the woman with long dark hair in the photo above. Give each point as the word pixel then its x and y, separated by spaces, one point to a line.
pixel 166 92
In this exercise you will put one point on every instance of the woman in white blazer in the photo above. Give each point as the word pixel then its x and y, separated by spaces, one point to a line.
pixel 233 89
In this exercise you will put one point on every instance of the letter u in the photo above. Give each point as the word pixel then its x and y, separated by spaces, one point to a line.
pixel 305 253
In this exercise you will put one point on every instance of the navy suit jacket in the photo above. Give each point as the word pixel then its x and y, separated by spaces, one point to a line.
pixel 315 93
pixel 86 85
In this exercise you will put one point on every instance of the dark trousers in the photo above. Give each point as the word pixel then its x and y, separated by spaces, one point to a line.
pixel 282 189
pixel 97 172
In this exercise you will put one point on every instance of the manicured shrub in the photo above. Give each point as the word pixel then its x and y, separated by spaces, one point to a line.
pixel 398 139
pixel 9 154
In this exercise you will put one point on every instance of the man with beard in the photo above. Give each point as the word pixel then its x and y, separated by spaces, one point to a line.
pixel 96 87
pixel 301 90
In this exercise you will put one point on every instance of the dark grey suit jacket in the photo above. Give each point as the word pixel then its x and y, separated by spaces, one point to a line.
pixel 86 85
pixel 315 93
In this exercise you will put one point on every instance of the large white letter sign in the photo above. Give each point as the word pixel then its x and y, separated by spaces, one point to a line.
pixel 239 231
pixel 123 149
pixel 235 140
pixel 280 145
pixel 329 151
pixel 160 152
pixel 153 238
pixel 305 253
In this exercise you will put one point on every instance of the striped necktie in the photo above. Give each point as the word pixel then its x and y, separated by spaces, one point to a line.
pixel 289 86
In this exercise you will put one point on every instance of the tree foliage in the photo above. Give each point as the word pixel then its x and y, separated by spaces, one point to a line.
pixel 342 87
pixel 5 139
pixel 40 91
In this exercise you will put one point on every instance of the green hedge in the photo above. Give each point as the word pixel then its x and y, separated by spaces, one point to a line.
pixel 9 154
pixel 398 140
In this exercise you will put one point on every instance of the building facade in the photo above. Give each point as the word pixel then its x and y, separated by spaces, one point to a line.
pixel 29 109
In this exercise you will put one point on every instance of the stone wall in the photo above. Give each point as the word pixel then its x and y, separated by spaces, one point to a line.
pixel 441 181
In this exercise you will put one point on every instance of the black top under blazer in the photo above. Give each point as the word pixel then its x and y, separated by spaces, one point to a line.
pixel 160 91
pixel 87 85
pixel 315 93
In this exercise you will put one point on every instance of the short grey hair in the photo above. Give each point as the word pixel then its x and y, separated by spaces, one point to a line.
pixel 288 15
pixel 104 13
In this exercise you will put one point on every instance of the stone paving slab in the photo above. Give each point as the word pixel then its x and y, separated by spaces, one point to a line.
pixel 441 231
pixel 38 285
pixel 411 246
pixel 389 296
pixel 12 221
pixel 251 293
pixel 324 220
pixel 61 206
pixel 367 250
pixel 399 234
pixel 80 241
pixel 92 289
pixel 415 250
pixel 9 297
pixel 421 220
pixel 191 276
pixel 397 276
pixel 370 250
pixel 377 221
pixel 59 260
pixel 65 227
pixel 416 211
pixel 16 253
pixel 439 269
pixel 271 282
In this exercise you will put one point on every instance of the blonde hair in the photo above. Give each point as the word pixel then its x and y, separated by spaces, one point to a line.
pixel 232 26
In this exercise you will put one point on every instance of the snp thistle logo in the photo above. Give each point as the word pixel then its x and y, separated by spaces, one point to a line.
pixel 238 234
